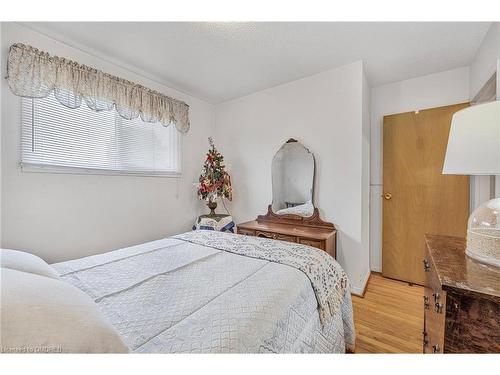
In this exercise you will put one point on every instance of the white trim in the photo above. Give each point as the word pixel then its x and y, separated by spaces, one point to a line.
pixel 488 92
pixel 359 291
pixel 39 168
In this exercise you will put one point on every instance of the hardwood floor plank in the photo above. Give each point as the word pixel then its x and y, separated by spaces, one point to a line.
pixel 389 319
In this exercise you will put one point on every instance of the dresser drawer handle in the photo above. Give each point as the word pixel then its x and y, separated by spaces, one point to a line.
pixel 427 266
pixel 427 305
pixel 438 307
pixel 425 341
pixel 435 348
pixel 436 296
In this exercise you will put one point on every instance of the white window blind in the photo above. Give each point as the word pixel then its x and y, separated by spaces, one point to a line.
pixel 81 140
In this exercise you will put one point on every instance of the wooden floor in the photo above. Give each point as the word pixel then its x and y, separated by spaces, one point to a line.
pixel 389 319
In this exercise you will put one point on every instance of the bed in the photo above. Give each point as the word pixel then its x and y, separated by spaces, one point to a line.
pixel 212 292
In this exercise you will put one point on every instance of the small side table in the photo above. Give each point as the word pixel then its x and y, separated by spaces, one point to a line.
pixel 218 222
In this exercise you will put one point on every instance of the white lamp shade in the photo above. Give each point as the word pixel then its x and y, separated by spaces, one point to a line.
pixel 474 141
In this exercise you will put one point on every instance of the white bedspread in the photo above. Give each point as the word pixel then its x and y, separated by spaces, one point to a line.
pixel 172 296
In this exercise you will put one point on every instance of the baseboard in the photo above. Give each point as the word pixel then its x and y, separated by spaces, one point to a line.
pixel 360 291
pixel 376 269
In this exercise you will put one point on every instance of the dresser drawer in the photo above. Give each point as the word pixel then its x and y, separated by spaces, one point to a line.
pixel 260 233
pixel 434 309
pixel 320 238
pixel 314 243
pixel 276 236
pixel 434 321
pixel 431 277
pixel 286 238
pixel 246 232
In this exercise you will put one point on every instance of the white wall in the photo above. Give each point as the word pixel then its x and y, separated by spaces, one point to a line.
pixel 1 84
pixel 63 216
pixel 324 112
pixel 482 68
pixel 484 64
pixel 429 91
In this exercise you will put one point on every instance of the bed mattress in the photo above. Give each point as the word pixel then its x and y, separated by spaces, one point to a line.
pixel 173 296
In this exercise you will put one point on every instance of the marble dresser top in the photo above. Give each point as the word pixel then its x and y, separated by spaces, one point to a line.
pixel 457 271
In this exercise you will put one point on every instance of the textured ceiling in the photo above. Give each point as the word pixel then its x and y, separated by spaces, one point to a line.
pixel 222 61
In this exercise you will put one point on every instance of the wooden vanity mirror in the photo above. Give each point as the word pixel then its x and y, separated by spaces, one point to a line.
pixel 292 173
pixel 292 215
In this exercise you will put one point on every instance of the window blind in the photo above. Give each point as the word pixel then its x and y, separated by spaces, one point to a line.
pixel 81 140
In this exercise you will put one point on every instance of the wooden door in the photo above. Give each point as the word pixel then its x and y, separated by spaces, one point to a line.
pixel 417 197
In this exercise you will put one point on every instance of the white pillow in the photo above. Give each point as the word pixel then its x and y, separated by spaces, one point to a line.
pixel 43 315
pixel 21 261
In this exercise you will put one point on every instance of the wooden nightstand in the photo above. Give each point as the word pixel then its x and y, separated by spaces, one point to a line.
pixel 218 222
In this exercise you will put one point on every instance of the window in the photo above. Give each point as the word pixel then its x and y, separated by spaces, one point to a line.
pixel 62 139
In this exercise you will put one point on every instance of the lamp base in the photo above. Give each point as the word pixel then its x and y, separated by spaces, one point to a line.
pixel 212 206
pixel 483 233
pixel 485 260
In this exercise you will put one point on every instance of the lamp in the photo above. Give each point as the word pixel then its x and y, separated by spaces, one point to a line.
pixel 474 149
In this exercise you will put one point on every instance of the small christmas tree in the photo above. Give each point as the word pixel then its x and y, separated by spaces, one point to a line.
pixel 214 181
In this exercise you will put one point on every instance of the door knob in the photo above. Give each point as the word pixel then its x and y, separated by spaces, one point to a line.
pixel 387 196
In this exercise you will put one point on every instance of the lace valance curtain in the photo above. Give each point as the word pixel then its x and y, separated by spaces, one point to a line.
pixel 36 74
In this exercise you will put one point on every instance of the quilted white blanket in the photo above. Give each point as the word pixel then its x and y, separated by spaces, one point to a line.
pixel 175 296
pixel 328 279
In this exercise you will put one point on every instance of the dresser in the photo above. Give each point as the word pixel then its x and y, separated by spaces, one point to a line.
pixel 461 300
pixel 310 231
